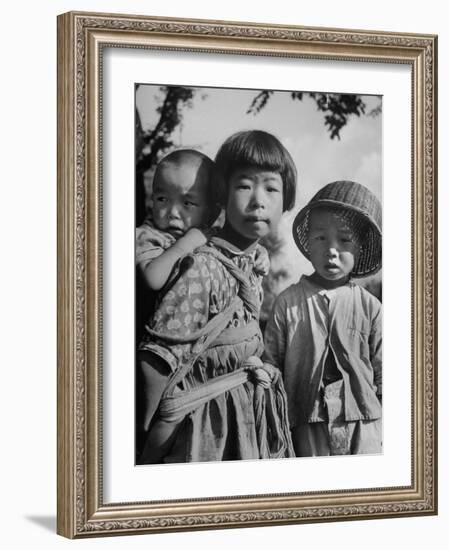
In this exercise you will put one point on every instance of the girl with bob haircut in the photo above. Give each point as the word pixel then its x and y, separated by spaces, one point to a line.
pixel 208 395
pixel 261 150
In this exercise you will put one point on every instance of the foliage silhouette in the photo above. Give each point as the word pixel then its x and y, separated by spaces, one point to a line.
pixel 337 108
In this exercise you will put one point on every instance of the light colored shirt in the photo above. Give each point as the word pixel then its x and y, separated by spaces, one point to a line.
pixel 308 322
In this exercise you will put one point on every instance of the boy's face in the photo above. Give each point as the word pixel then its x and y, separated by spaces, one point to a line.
pixel 255 200
pixel 333 244
pixel 180 198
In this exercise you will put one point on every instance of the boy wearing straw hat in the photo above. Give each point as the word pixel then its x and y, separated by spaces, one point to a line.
pixel 325 332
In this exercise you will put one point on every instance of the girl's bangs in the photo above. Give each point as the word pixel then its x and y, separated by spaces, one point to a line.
pixel 262 155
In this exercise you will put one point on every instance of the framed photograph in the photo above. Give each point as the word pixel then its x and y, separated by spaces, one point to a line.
pixel 247 274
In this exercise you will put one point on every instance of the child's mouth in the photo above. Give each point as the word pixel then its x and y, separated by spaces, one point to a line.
pixel 175 231
pixel 256 220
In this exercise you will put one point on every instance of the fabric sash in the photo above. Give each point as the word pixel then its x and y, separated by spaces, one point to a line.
pixel 270 404
pixel 174 407
pixel 205 337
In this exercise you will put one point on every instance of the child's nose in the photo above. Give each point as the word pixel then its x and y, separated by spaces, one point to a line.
pixel 332 251
pixel 258 198
pixel 173 211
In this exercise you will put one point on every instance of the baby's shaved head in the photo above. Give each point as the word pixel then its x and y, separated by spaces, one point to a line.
pixel 192 161
pixel 184 158
pixel 191 170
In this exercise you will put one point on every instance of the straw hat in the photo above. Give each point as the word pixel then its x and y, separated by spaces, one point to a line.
pixel 365 212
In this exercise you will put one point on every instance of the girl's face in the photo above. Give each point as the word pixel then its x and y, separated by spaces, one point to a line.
pixel 179 199
pixel 255 201
pixel 333 245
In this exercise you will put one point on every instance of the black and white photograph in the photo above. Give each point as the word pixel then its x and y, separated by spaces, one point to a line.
pixel 247 289
pixel 222 230
pixel 258 289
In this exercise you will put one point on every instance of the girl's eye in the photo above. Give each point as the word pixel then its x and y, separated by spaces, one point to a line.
pixel 273 190
pixel 161 199
pixel 190 204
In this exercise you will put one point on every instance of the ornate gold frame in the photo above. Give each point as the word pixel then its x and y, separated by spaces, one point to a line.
pixel 81 37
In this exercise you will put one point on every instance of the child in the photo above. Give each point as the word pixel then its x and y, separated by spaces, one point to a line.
pixel 206 396
pixel 182 203
pixel 325 332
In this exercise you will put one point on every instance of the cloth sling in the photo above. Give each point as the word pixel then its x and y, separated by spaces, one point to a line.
pixel 270 404
pixel 204 337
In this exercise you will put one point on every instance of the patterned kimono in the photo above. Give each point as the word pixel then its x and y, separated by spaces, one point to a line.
pixel 205 328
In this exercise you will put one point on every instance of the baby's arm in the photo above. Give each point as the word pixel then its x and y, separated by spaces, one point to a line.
pixel 157 271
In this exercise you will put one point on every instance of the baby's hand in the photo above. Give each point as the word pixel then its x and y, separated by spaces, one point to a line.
pixel 262 261
pixel 193 239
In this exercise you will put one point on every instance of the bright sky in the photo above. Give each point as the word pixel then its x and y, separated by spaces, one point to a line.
pixel 217 113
